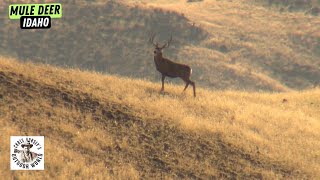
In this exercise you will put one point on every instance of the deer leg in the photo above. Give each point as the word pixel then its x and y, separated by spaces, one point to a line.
pixel 187 84
pixel 194 87
pixel 162 80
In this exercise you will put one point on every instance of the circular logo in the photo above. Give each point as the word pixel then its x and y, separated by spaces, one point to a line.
pixel 27 153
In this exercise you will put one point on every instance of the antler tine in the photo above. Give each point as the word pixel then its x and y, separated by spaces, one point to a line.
pixel 152 38
pixel 168 43
pixel 169 40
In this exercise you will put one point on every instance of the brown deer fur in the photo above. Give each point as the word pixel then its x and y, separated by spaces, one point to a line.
pixel 171 69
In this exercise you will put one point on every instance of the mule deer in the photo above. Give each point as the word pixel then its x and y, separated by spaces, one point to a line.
pixel 169 68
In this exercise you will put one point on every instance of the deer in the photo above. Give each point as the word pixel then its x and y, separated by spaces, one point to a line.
pixel 169 68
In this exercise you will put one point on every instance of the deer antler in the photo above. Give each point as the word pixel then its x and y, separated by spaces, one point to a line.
pixel 151 39
pixel 167 44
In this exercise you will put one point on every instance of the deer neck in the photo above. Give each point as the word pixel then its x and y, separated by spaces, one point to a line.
pixel 158 56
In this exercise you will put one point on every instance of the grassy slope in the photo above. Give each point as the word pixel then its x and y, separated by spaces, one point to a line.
pixel 106 126
pixel 262 44
pixel 232 45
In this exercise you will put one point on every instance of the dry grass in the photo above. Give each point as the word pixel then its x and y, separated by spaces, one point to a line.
pixel 109 127
pixel 122 126
pixel 282 46
pixel 238 45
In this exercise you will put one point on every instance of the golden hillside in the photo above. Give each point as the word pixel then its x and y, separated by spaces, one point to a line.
pixel 103 126
pixel 233 45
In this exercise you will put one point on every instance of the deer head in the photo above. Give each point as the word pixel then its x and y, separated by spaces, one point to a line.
pixel 157 47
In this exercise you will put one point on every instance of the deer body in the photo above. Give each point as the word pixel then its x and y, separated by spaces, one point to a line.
pixel 171 69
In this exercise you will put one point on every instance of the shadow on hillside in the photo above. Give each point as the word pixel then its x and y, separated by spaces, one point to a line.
pixel 109 37
pixel 311 7
pixel 153 145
